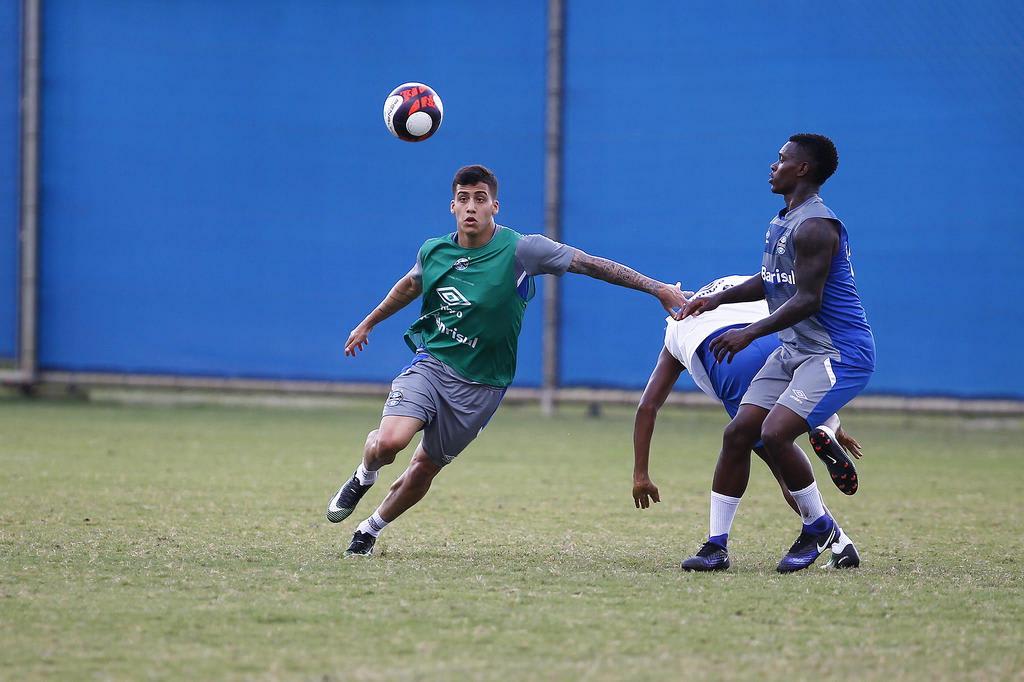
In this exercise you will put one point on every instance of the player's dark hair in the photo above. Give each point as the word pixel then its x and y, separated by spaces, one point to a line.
pixel 822 152
pixel 471 175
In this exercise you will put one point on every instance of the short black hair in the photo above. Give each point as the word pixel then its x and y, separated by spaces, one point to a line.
pixel 471 175
pixel 823 155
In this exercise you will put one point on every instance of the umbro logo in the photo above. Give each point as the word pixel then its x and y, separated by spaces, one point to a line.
pixel 453 297
pixel 799 395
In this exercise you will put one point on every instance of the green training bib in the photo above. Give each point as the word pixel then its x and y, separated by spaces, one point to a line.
pixel 472 311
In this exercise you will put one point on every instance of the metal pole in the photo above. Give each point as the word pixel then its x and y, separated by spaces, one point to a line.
pixel 29 229
pixel 553 200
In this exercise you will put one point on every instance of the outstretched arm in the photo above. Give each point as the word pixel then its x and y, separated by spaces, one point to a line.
pixel 671 297
pixel 750 290
pixel 659 386
pixel 815 243
pixel 405 291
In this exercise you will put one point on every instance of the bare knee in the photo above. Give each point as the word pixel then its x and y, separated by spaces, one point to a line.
pixel 386 445
pixel 774 438
pixel 738 437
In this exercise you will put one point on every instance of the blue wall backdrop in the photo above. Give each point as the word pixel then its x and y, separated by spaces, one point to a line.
pixel 10 65
pixel 676 110
pixel 220 195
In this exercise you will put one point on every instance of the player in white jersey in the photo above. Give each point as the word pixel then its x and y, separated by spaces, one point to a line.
pixel 687 348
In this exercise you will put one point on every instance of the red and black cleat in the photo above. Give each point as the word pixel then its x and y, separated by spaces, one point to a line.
pixel 840 466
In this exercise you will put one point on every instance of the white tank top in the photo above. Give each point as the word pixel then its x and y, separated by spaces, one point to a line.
pixel 683 338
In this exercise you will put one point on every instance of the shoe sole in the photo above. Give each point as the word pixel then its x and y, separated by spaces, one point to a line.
pixel 692 569
pixel 339 515
pixel 348 554
pixel 843 561
pixel 839 465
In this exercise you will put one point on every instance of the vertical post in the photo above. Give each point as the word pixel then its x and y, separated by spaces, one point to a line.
pixel 29 228
pixel 553 200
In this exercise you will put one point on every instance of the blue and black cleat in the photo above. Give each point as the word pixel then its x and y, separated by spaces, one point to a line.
pixel 807 548
pixel 710 557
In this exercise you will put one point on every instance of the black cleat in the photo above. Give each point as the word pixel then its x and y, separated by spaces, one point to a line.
pixel 345 500
pixel 840 466
pixel 710 557
pixel 844 554
pixel 362 544
pixel 807 548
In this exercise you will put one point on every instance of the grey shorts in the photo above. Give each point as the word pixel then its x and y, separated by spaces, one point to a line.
pixel 804 383
pixel 454 410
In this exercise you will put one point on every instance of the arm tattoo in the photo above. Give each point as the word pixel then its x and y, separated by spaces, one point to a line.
pixel 610 271
pixel 405 291
pixel 394 302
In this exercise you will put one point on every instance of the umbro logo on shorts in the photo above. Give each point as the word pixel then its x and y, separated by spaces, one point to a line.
pixel 394 398
pixel 799 395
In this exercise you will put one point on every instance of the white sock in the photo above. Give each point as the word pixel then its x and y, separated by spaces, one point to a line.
pixel 365 476
pixel 373 525
pixel 842 538
pixel 828 431
pixel 723 510
pixel 808 501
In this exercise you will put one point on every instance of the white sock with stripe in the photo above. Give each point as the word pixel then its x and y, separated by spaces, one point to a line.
pixel 365 476
pixel 373 525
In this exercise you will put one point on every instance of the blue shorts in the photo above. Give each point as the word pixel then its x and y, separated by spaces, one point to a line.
pixel 732 379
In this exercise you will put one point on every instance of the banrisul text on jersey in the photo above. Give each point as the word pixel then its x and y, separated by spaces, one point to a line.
pixel 840 328
pixel 472 312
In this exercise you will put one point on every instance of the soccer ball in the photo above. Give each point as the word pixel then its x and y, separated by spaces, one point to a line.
pixel 413 112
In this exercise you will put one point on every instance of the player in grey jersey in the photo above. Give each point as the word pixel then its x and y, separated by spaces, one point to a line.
pixel 827 352
pixel 686 348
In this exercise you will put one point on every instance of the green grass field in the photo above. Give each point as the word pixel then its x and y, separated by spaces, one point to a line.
pixel 189 543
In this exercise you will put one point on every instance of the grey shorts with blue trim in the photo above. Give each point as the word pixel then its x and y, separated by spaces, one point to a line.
pixel 454 410
pixel 813 386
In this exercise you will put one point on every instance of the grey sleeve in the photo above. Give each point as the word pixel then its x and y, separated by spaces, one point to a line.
pixel 539 255
pixel 417 270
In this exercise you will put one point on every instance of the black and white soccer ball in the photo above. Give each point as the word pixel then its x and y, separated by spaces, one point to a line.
pixel 413 112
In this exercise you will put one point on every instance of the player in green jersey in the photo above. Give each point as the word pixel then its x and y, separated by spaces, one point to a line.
pixel 475 284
